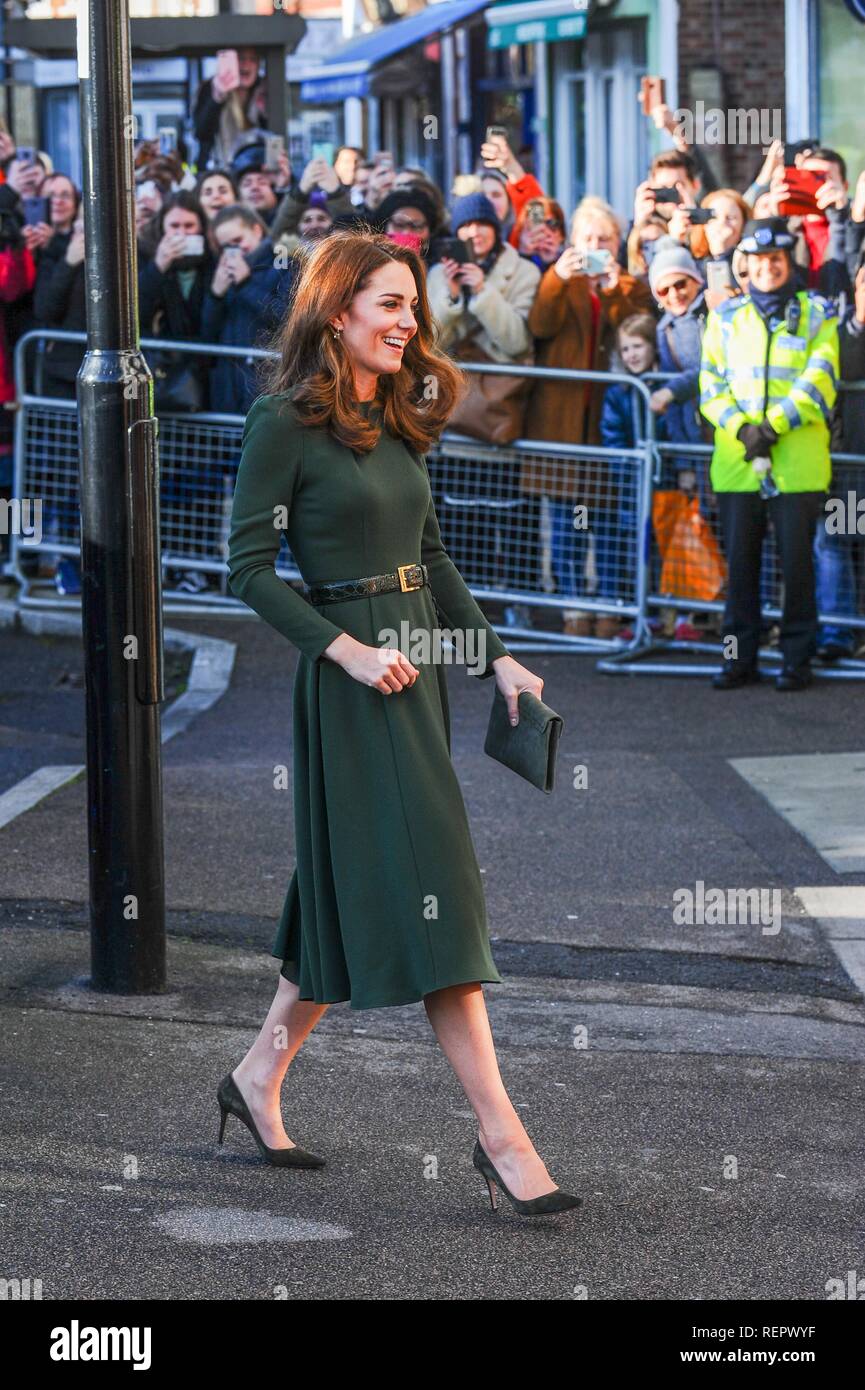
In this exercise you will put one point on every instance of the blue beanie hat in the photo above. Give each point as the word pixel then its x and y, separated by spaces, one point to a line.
pixel 474 207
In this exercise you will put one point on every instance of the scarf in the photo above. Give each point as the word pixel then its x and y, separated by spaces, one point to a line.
pixel 770 304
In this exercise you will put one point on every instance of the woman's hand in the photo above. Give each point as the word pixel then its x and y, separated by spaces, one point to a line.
pixel 75 249
pixel 450 270
pixel 384 668
pixel 472 276
pixel 171 248
pixel 511 678
pixel 568 264
pixel 222 278
pixel 38 236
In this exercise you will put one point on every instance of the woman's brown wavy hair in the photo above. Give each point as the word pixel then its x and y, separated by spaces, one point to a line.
pixel 416 401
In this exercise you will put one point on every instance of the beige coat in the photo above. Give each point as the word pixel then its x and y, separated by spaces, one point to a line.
pixel 499 312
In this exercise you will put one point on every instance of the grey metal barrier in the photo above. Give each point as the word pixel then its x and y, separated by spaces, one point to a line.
pixel 569 573
pixel 685 620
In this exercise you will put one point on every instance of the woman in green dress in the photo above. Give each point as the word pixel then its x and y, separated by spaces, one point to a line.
pixel 385 905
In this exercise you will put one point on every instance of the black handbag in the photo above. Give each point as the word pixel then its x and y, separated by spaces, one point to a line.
pixel 528 748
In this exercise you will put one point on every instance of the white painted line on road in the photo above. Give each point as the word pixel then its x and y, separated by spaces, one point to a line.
pixel 840 912
pixel 209 677
pixel 821 795
pixel 32 789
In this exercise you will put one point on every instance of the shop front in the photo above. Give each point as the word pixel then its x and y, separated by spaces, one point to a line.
pixel 587 58
pixel 825 62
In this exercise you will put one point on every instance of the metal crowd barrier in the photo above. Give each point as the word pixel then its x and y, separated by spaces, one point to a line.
pixel 524 551
pixel 560 535
pixel 687 597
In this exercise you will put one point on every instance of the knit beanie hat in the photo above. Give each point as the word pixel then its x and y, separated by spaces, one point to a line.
pixel 672 259
pixel 474 207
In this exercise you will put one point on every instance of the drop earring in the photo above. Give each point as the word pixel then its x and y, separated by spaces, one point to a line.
pixel 336 332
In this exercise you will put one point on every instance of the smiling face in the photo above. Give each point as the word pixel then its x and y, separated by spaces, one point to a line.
pixel 636 352
pixel 378 324
pixel 236 233
pixel 675 291
pixel 769 271
pixel 314 223
pixel 61 195
pixel 256 191
pixel 215 193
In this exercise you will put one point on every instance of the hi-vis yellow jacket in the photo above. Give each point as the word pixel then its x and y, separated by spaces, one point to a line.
pixel 789 378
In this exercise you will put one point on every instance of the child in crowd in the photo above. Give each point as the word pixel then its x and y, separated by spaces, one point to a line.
pixel 621 426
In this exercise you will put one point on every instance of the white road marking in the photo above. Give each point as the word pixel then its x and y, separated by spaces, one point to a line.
pixel 841 913
pixel 822 795
pixel 209 676
pixel 32 789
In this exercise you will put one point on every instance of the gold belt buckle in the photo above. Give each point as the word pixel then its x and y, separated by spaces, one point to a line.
pixel 403 582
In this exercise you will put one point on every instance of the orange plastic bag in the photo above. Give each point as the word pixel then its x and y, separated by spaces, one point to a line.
pixel 692 563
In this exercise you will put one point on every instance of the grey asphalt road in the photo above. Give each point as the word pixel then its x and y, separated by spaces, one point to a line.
pixel 699 1086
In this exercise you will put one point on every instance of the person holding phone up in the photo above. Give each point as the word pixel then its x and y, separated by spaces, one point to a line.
pixel 230 102
pixel 582 298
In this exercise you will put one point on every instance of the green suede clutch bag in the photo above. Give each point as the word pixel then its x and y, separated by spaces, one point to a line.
pixel 529 747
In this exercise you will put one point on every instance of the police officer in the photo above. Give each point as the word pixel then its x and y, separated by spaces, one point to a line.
pixel 768 382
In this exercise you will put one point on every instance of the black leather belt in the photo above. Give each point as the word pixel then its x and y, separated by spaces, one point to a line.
pixel 404 577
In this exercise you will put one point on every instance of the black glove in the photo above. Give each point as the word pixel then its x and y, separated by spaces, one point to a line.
pixel 757 439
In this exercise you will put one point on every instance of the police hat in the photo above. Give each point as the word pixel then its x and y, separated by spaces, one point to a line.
pixel 763 234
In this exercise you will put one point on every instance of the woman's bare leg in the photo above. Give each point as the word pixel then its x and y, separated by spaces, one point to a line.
pixel 458 1015
pixel 260 1075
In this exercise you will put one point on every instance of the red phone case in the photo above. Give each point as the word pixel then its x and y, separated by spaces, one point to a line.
pixel 803 185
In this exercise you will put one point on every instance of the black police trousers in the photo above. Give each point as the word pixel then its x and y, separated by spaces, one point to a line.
pixel 794 516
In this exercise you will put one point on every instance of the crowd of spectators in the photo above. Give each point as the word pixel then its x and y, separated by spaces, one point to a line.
pixel 512 279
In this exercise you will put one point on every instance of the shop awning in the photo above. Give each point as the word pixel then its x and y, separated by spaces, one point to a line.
pixel 536 21
pixel 346 73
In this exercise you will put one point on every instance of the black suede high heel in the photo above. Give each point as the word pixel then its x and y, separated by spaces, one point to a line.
pixel 530 1206
pixel 231 1102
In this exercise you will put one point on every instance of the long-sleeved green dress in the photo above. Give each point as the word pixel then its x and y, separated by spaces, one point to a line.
pixel 386 901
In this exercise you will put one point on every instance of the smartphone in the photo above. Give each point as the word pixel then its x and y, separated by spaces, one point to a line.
pixel 653 92
pixel 323 149
pixel 194 245
pixel 36 210
pixel 167 139
pixel 274 149
pixel 666 195
pixel 700 216
pixel 719 276
pixel 535 215
pixel 453 248
pixel 25 154
pixel 227 68
pixel 497 132
pixel 594 262
pixel 803 185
